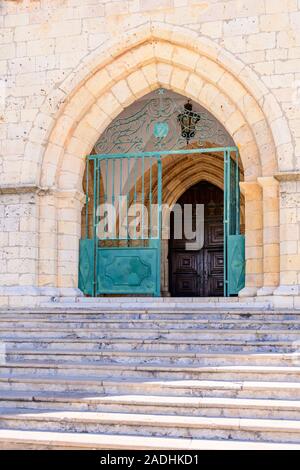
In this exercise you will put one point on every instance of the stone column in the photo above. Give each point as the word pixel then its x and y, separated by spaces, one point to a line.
pixel 69 206
pixel 271 251
pixel 252 192
pixel 289 234
pixel 47 260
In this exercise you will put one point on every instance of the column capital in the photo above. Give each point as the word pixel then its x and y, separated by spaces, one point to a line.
pixel 267 181
pixel 71 194
pixel 270 188
pixel 251 190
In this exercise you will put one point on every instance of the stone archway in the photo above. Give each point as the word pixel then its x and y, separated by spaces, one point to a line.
pixel 154 58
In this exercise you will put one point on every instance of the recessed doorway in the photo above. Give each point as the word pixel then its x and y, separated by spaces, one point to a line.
pixel 198 272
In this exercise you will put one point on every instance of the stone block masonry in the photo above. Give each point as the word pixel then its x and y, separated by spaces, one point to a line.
pixel 69 67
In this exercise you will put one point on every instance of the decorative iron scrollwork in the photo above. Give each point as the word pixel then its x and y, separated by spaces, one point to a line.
pixel 161 124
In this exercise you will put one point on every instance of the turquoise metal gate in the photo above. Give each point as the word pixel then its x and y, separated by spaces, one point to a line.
pixel 121 250
pixel 124 257
pixel 234 242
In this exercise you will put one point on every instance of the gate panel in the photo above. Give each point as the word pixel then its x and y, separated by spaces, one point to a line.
pixel 236 263
pixel 234 242
pixel 128 271
pixel 86 273
pixel 127 224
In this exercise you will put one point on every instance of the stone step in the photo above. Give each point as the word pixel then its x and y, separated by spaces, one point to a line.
pixel 154 404
pixel 140 325
pixel 33 440
pixel 197 427
pixel 133 359
pixel 161 303
pixel 211 359
pixel 162 370
pixel 161 336
pixel 122 313
pixel 141 369
pixel 104 384
pixel 107 358
pixel 152 350
pixel 183 337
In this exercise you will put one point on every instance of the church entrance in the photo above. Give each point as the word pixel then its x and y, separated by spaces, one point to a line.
pixel 199 271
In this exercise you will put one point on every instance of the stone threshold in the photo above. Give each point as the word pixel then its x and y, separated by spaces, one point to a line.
pixel 68 298
pixel 163 303
pixel 182 303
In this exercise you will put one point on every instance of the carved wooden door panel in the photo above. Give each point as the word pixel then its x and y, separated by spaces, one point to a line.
pixel 185 279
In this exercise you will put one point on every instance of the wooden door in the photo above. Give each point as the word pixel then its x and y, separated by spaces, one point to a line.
pixel 196 273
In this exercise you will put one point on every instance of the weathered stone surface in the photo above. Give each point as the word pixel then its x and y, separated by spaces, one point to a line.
pixel 67 70
pixel 169 375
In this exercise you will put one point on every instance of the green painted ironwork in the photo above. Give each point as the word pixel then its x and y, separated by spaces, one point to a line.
pixel 234 242
pixel 86 273
pixel 128 271
pixel 118 262
pixel 163 153
pixel 155 126
pixel 236 263
pixel 130 263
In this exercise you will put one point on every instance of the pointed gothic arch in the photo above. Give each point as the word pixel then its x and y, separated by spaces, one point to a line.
pixel 114 78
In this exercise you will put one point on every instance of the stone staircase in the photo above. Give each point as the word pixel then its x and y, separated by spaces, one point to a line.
pixel 149 378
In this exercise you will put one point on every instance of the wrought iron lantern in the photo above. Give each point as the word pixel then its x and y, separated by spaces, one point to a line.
pixel 188 120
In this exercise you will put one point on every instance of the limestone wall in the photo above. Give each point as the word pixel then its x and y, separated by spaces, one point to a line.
pixel 68 67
